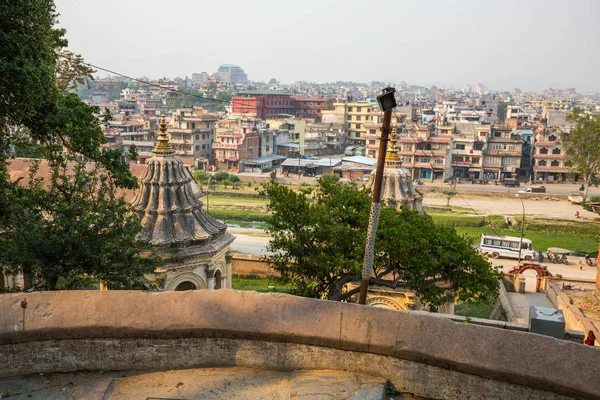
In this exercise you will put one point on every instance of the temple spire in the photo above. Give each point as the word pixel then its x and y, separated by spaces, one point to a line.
pixel 392 159
pixel 163 147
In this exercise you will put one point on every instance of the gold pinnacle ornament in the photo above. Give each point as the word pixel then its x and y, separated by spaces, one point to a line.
pixel 163 147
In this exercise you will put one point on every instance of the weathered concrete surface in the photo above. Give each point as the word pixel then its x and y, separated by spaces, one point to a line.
pixel 427 356
pixel 201 384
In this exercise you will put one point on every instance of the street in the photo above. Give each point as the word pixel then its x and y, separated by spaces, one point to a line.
pixel 255 241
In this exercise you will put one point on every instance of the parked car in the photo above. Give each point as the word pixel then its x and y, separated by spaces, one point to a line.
pixel 541 189
pixel 511 183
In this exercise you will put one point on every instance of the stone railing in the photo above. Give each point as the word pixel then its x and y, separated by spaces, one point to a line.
pixel 428 356
pixel 574 318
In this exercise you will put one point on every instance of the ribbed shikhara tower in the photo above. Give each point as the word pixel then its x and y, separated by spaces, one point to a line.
pixel 193 245
pixel 397 189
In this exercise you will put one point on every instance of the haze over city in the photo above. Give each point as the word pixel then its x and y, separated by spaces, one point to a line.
pixel 532 45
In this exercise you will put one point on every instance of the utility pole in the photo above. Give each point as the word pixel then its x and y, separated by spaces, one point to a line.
pixel 522 226
pixel 387 103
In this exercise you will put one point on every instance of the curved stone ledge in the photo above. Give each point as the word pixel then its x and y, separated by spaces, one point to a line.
pixel 60 327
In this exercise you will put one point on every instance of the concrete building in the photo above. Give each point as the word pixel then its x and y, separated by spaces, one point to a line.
pixel 235 145
pixel 356 115
pixel 232 74
pixel 549 156
pixel 502 154
pixel 192 136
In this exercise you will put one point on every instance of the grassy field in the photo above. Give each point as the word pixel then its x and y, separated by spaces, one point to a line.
pixel 541 241
pixel 474 310
pixel 580 237
pixel 257 284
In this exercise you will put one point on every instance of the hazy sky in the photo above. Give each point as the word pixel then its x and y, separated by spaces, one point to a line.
pixel 529 44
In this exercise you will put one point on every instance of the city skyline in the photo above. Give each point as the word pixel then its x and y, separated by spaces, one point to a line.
pixel 531 45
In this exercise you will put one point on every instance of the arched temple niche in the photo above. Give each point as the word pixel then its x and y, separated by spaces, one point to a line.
pixel 184 280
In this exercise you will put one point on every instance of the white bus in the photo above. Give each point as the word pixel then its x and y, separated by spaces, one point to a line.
pixel 506 246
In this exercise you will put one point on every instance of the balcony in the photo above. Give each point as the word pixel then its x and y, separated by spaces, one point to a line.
pixel 514 153
pixel 461 163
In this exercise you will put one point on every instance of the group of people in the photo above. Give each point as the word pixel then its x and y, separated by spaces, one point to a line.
pixel 555 258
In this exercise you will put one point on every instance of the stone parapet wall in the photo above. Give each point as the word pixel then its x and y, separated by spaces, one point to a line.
pixel 574 318
pixel 421 354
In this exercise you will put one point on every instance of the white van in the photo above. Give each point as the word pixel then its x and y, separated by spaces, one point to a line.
pixel 506 246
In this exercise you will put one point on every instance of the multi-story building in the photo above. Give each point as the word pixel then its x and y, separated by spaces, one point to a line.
pixel 311 107
pixel 426 156
pixel 373 129
pixel 262 104
pixel 355 114
pixel 232 74
pixel 192 136
pixel 502 154
pixel 240 143
pixel 549 156
pixel 269 104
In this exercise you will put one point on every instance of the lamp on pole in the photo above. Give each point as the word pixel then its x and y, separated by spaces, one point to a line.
pixel 522 226
pixel 207 190
pixel 387 102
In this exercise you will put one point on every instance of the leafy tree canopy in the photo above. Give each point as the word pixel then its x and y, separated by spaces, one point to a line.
pixel 72 225
pixel 318 241
pixel 583 147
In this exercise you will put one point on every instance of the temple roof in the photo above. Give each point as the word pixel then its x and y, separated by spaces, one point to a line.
pixel 397 189
pixel 168 202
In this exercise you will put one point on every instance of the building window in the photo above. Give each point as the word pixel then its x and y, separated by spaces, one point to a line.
pixel 542 163
pixel 406 159
pixel 491 160
pixel 510 160
pixel 203 147
pixel 358 109
pixel 555 163
pixel 197 137
pixel 349 109
pixel 232 153
pixel 439 161
pixel 407 147
pixel 371 142
pixel 197 147
pixel 357 126
pixel 358 117
pixel 372 131
pixel 556 151
pixel 459 146
pixel 425 160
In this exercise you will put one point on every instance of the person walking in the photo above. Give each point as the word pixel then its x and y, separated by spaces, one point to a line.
pixel 590 340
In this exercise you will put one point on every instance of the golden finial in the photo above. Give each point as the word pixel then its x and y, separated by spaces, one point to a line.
pixel 163 146
pixel 391 156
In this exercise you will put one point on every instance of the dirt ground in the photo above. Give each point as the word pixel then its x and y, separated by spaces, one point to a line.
pixel 561 209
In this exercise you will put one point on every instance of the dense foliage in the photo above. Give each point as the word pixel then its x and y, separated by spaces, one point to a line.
pixel 318 241
pixel 583 147
pixel 67 224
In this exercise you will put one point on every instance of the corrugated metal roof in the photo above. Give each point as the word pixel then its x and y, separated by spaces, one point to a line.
pixel 361 160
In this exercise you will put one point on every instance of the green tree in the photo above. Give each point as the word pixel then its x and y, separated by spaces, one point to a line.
pixel 583 147
pixel 72 229
pixel 318 238
pixel 449 195
pixel 72 72
pixel 69 224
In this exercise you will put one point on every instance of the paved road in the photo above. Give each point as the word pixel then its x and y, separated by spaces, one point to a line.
pixel 551 188
pixel 255 241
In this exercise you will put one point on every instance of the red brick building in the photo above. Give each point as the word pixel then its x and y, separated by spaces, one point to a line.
pixel 267 104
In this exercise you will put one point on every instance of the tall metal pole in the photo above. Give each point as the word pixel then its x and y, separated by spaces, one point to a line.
pixel 375 209
pixel 522 227
pixel 207 191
